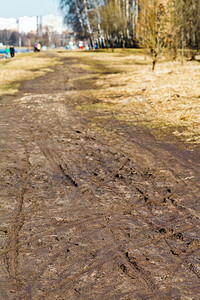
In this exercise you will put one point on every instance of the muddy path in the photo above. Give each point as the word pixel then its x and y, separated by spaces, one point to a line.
pixel 88 215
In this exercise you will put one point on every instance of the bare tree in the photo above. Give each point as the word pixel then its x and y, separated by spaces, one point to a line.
pixel 185 25
pixel 110 14
pixel 153 27
pixel 88 17
pixel 119 17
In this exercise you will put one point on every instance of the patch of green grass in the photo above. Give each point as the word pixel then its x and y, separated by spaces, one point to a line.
pixel 9 88
pixel 100 106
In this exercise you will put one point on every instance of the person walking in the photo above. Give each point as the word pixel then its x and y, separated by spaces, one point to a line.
pixel 12 51
pixel 7 51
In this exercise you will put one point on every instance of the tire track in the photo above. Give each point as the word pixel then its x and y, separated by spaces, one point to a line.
pixel 17 223
pixel 102 215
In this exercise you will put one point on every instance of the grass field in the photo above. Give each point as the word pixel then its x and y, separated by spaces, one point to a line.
pixel 23 67
pixel 166 100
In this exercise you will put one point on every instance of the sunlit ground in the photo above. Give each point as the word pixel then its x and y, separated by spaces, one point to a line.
pixel 166 99
pixel 22 67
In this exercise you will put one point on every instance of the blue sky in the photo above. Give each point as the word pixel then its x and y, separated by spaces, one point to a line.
pixel 20 8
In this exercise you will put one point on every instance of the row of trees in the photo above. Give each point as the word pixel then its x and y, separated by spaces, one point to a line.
pixel 48 38
pixel 8 37
pixel 153 24
pixel 109 23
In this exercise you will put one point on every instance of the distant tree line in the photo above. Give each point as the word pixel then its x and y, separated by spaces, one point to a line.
pixel 153 24
pixel 8 37
pixel 47 37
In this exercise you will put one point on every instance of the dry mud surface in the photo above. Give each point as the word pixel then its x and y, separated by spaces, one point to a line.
pixel 88 217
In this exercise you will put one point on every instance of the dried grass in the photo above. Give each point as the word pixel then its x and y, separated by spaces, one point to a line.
pixel 167 99
pixel 23 67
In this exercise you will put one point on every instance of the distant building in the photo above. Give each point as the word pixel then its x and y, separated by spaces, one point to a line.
pixel 54 23
pixel 27 24
pixel 33 24
pixel 9 24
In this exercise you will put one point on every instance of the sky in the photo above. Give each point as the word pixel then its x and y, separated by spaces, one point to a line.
pixel 20 8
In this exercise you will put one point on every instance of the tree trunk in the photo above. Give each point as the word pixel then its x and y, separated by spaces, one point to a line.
pixel 79 15
pixel 123 42
pixel 135 19
pixel 154 61
pixel 112 41
pixel 88 22
pixel 182 46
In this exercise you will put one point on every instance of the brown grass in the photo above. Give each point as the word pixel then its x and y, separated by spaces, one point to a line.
pixel 166 100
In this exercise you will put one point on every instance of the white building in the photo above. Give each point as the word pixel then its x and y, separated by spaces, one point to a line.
pixel 27 24
pixel 8 23
pixel 54 23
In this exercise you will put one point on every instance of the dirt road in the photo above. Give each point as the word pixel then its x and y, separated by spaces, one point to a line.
pixel 86 215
